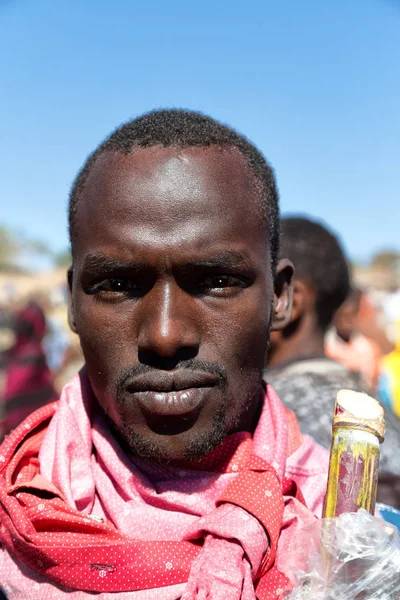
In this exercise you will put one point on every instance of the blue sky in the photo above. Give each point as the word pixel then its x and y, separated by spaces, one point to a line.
pixel 315 84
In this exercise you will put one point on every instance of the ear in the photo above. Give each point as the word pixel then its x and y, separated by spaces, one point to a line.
pixel 71 311
pixel 283 294
pixel 302 298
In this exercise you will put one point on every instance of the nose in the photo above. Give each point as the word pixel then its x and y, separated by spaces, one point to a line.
pixel 169 328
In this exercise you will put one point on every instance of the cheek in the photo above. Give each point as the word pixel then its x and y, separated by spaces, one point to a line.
pixel 240 332
pixel 104 335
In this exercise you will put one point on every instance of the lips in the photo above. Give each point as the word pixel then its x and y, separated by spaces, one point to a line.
pixel 171 393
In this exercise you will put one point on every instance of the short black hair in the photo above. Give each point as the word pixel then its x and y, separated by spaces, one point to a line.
pixel 181 128
pixel 318 259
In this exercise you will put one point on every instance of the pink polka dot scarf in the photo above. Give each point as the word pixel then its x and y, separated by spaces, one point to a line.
pixel 77 513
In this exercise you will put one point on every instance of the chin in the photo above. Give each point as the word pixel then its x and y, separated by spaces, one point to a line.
pixel 162 449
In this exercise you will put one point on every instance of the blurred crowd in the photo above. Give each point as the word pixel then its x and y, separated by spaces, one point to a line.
pixel 340 336
pixel 38 354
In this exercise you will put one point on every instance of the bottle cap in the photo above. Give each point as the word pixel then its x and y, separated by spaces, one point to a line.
pixel 359 411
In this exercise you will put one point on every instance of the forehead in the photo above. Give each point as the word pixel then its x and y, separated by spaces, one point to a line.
pixel 166 197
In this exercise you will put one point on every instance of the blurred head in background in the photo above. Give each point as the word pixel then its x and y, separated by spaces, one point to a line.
pixel 345 319
pixel 321 285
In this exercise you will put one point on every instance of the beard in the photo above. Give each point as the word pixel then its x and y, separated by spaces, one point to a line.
pixel 200 444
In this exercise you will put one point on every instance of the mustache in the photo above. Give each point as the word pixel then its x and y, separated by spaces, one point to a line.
pixel 193 364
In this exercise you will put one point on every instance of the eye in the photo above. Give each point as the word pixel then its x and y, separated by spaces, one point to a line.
pixel 116 285
pixel 221 284
pixel 219 281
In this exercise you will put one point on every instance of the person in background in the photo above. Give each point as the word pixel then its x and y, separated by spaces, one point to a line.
pixel 28 382
pixel 371 323
pixel 389 379
pixel 391 310
pixel 347 345
pixel 298 369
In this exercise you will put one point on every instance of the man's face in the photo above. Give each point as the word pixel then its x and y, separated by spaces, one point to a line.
pixel 172 295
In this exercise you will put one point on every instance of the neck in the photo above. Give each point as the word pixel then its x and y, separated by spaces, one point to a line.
pixel 308 340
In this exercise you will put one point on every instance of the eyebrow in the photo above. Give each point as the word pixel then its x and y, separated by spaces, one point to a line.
pixel 99 264
pixel 225 260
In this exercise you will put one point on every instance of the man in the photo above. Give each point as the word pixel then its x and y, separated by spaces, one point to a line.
pixel 349 346
pixel 389 381
pixel 28 381
pixel 304 378
pixel 166 470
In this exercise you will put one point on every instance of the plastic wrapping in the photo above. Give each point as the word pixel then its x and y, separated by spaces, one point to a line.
pixel 352 557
